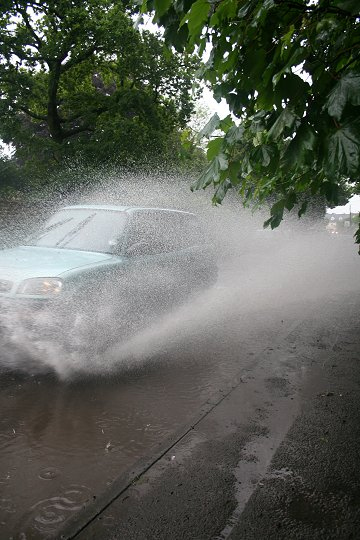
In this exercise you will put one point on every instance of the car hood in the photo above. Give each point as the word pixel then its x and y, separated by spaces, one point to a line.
pixel 31 261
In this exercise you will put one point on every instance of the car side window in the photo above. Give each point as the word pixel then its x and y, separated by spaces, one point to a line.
pixel 156 232
pixel 174 231
pixel 143 234
pixel 190 232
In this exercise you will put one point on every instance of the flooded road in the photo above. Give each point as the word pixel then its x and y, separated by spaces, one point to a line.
pixel 63 441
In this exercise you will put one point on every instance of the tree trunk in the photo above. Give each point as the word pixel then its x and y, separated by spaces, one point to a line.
pixel 52 111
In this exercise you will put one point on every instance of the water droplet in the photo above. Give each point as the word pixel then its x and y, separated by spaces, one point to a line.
pixel 49 473
pixel 46 515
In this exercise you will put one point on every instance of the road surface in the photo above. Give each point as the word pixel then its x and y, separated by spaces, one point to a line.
pixel 194 427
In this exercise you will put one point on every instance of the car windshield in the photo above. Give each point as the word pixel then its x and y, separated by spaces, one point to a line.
pixel 82 229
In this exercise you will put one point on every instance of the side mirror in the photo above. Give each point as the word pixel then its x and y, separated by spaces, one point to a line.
pixel 114 246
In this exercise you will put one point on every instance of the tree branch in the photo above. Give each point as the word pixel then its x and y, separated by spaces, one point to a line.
pixel 315 9
pixel 355 45
pixel 357 57
pixel 33 115
pixel 74 61
pixel 23 56
pixel 30 28
pixel 66 134
pixel 97 111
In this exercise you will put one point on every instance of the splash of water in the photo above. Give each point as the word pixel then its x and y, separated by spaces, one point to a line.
pixel 257 269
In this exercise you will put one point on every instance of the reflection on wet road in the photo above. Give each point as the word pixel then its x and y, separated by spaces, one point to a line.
pixel 62 442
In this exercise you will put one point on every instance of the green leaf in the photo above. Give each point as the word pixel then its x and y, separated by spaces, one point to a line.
pixel 210 127
pixel 298 56
pixel 286 119
pixel 225 10
pixel 261 13
pixel 226 123
pixel 275 219
pixel 315 184
pixel 211 76
pixel 237 100
pixel 244 10
pixel 234 134
pixel 221 90
pixel 331 192
pixel 222 162
pixel 343 151
pixel 357 237
pixel 303 208
pixel 211 173
pixel 346 90
pixel 161 6
pixel 227 64
pixel 294 88
pixel 290 201
pixel 301 149
pixel 221 191
pixel 267 223
pixel 286 38
pixel 352 6
pixel 196 17
pixel 176 36
pixel 265 98
pixel 214 147
pixel 144 6
pixel 278 208
pixel 233 172
pixel 206 178
pixel 262 155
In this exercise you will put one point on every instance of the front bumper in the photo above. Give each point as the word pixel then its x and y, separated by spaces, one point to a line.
pixel 39 317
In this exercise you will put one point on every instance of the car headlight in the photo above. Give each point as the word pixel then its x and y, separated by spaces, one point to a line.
pixel 40 286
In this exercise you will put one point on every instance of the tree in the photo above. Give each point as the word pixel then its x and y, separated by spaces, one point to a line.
pixel 79 79
pixel 10 177
pixel 290 73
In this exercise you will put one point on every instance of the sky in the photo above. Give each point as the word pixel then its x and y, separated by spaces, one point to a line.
pixel 221 108
pixel 353 205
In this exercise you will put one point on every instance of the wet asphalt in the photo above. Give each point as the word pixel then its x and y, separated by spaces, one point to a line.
pixel 275 458
pixel 238 417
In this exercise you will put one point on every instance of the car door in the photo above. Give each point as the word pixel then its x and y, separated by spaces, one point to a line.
pixel 198 261
pixel 151 259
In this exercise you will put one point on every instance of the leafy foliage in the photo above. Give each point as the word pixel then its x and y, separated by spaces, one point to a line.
pixel 10 177
pixel 290 73
pixel 78 79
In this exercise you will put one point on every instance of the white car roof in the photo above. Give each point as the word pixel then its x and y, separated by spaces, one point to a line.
pixel 115 208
